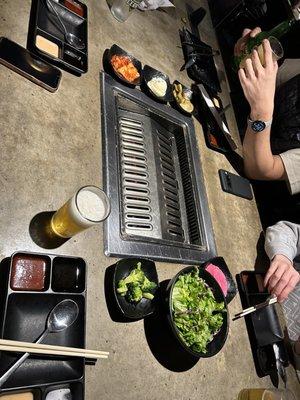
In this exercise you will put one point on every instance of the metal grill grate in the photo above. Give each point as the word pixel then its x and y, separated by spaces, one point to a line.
pixel 153 178
pixel 135 184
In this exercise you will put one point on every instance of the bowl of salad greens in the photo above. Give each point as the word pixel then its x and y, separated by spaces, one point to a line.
pixel 197 312
pixel 135 284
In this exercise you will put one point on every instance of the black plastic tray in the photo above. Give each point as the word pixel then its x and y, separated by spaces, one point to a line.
pixel 40 393
pixel 262 326
pixel 45 23
pixel 23 318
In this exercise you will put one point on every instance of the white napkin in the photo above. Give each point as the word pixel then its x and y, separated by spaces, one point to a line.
pixel 147 5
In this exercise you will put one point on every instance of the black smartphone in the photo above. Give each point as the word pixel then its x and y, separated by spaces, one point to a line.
pixel 20 60
pixel 235 184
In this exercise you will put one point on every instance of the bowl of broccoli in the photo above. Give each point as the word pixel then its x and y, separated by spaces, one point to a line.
pixel 197 312
pixel 135 284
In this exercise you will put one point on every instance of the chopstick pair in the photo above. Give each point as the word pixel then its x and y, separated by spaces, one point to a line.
pixel 271 300
pixel 37 348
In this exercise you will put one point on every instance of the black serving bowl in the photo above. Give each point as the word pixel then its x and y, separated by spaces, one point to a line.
pixel 219 339
pixel 150 73
pixel 175 102
pixel 118 51
pixel 145 306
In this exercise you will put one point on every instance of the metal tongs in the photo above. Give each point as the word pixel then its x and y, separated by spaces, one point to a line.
pixel 270 300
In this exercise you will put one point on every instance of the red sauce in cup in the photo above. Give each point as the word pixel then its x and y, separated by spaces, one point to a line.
pixel 28 272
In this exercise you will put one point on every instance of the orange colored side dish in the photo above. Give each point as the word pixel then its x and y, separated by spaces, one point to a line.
pixel 213 140
pixel 125 67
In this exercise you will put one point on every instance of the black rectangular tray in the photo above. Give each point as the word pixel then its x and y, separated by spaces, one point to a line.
pixel 44 23
pixel 40 393
pixel 23 317
pixel 262 326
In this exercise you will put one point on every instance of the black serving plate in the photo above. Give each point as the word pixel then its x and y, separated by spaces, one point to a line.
pixel 116 50
pixel 219 339
pixel 150 73
pixel 43 22
pixel 24 316
pixel 175 102
pixel 145 306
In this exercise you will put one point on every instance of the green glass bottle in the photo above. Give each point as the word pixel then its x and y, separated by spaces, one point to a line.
pixel 278 31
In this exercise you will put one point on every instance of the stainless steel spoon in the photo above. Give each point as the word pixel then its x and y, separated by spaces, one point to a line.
pixel 72 39
pixel 61 317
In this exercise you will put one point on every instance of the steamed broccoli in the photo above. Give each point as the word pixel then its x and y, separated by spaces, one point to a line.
pixel 122 287
pixel 136 286
pixel 134 293
pixel 149 296
pixel 148 285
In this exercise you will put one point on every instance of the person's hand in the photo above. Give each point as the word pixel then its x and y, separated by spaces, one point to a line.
pixel 281 277
pixel 258 83
pixel 241 43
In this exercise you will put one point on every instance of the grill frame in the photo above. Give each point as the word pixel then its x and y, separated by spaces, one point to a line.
pixel 116 243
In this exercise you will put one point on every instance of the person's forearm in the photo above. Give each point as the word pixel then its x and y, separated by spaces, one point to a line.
pixel 283 238
pixel 258 83
pixel 259 161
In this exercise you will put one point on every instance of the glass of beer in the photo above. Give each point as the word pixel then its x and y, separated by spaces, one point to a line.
pixel 276 47
pixel 266 394
pixel 277 52
pixel 89 206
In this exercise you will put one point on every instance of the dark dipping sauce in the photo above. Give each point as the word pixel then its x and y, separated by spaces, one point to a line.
pixel 68 275
pixel 28 272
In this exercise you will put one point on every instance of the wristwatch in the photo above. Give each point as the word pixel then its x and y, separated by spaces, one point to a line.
pixel 259 126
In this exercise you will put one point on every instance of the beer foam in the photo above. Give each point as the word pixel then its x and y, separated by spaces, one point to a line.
pixel 91 206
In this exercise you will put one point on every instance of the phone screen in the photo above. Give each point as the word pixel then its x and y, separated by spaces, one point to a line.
pixel 27 64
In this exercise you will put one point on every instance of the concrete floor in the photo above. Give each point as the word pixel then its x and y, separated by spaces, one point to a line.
pixel 51 145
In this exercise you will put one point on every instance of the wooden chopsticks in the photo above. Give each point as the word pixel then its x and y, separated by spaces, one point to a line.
pixel 37 348
pixel 271 300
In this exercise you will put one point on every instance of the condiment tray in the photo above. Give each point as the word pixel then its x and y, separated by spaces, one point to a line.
pixel 24 315
pixel 45 24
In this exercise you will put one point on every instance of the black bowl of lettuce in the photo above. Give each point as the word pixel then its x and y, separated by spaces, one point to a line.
pixel 135 283
pixel 197 312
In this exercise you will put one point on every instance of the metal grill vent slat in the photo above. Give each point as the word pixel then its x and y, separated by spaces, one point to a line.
pixel 170 185
pixel 194 231
pixel 137 215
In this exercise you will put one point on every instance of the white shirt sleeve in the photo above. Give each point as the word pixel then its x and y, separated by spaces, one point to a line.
pixel 291 161
pixel 283 238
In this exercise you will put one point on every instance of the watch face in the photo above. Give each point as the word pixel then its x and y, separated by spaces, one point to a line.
pixel 258 126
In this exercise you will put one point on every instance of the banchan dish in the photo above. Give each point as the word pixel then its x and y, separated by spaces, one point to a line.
pixel 151 74
pixel 219 339
pixel 182 96
pixel 47 39
pixel 116 51
pixel 24 315
pixel 144 307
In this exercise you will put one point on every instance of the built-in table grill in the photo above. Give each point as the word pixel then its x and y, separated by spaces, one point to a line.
pixel 153 177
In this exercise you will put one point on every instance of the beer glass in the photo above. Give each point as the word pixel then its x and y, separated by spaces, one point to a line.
pixel 277 52
pixel 266 394
pixel 87 207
